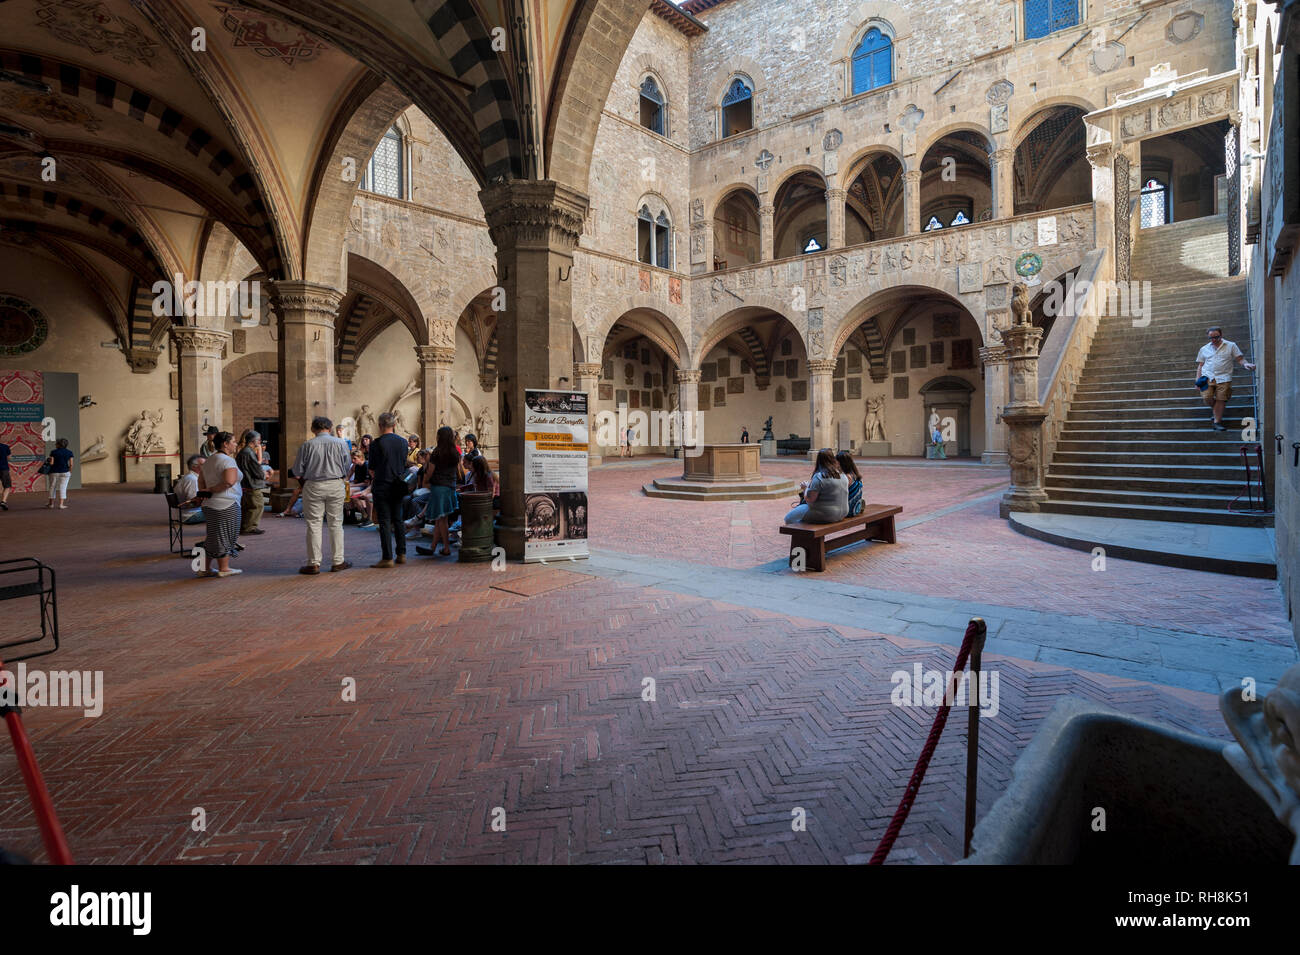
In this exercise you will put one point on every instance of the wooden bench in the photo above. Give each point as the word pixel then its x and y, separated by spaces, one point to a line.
pixel 875 523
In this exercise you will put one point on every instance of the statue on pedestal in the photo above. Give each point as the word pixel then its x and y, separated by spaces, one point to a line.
pixel 874 426
pixel 366 421
pixel 485 432
pixel 767 430
pixel 143 436
pixel 1020 305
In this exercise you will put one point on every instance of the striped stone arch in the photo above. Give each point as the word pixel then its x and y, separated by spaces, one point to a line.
pixel 489 365
pixel 353 313
pixel 108 92
pixel 868 340
pixel 42 202
pixel 461 34
pixel 758 356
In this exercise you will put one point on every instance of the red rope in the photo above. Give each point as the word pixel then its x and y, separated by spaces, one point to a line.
pixel 927 751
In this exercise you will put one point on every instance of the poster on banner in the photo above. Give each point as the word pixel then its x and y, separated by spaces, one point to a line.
pixel 22 409
pixel 556 435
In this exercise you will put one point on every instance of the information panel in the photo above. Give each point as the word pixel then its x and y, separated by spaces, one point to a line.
pixel 556 435
pixel 22 409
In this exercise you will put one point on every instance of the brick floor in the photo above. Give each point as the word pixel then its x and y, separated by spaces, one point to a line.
pixel 226 695
pixel 970 554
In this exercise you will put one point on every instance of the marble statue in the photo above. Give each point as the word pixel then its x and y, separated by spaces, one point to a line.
pixel 96 452
pixel 399 423
pixel 875 423
pixel 1267 752
pixel 1020 305
pixel 143 436
pixel 485 432
pixel 366 421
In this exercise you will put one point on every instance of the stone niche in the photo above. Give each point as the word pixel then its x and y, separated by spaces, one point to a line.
pixel 724 462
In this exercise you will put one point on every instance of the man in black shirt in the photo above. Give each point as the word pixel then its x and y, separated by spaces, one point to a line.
pixel 388 485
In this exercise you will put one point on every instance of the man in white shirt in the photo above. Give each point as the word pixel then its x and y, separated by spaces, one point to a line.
pixel 187 488
pixel 1214 361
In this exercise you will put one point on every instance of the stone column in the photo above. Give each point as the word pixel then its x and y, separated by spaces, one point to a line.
pixel 766 230
pixel 586 377
pixel 1024 417
pixel 835 218
pixel 435 390
pixel 692 430
pixel 199 351
pixel 305 315
pixel 821 407
pixel 912 202
pixel 1001 170
pixel 535 226
pixel 994 358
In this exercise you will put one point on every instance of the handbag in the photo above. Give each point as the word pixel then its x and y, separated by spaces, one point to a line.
pixel 44 468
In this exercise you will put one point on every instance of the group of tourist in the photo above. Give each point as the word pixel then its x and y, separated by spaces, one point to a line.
pixel 388 481
pixel 833 493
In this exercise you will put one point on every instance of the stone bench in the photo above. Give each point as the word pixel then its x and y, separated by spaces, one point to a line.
pixel 876 522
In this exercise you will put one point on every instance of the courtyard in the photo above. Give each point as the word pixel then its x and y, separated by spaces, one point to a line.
pixel 518 696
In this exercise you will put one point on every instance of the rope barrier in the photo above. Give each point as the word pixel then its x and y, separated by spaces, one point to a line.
pixel 973 630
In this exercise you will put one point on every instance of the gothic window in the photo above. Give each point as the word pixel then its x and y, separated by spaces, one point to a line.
pixel 654 243
pixel 652 107
pixel 384 173
pixel 933 224
pixel 873 62
pixel 1155 203
pixel 737 108
pixel 1047 16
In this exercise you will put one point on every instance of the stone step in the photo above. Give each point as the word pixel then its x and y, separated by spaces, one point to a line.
pixel 1138 400
pixel 1158 333
pixel 1141 462
pixel 1180 487
pixel 1093 449
pixel 1171 499
pixel 1088 392
pixel 1199 435
pixel 1127 416
pixel 1143 512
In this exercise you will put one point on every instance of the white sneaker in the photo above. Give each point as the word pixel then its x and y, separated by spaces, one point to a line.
pixel 228 573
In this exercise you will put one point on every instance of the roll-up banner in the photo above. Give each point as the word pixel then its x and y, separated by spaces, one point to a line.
pixel 556 436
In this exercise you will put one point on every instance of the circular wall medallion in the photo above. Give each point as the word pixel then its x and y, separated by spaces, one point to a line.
pixel 22 326
pixel 1029 264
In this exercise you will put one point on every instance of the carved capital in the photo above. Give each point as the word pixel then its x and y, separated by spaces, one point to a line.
pixel 344 373
pixel 428 355
pixel 142 360
pixel 191 342
pixel 686 376
pixel 912 177
pixel 836 195
pixel 1021 341
pixel 999 156
pixel 487 381
pixel 306 302
pixel 586 369
pixel 821 366
pixel 1100 154
pixel 767 211
pixel 533 214
pixel 994 354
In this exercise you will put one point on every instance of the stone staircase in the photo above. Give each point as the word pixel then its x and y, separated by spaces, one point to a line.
pixel 1137 441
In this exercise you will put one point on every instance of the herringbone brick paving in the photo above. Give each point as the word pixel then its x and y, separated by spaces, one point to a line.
pixel 226 695
pixel 970 554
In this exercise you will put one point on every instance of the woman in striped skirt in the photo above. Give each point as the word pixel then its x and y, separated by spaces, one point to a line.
pixel 220 491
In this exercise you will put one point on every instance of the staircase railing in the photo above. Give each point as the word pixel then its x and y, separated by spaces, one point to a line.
pixel 1060 364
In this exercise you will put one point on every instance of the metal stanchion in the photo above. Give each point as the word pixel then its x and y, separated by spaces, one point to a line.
pixel 973 730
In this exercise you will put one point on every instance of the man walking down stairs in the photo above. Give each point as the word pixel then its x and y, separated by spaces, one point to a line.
pixel 1214 372
pixel 1140 467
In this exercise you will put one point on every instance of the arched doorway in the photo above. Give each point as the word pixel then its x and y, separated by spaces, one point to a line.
pixel 1051 166
pixel 946 402
pixel 736 231
pixel 640 357
pixel 956 182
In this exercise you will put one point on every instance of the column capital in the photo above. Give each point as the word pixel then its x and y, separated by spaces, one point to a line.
pixel 586 369
pixel 1100 154
pixel 836 194
pixel 687 375
pixel 307 302
pixel 1022 341
pixel 209 342
pixel 767 210
pixel 434 355
pixel 529 213
pixel 487 381
pixel 821 366
pixel 142 360
pixel 912 176
pixel 994 354
pixel 1004 154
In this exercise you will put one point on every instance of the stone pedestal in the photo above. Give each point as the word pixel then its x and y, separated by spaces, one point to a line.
pixel 691 427
pixel 535 226
pixel 1024 418
pixel 874 449
pixel 138 468
pixel 767 448
pixel 721 472
pixel 723 462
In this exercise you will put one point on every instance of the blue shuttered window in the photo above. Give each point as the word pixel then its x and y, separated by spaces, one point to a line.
pixel 1047 16
pixel 873 62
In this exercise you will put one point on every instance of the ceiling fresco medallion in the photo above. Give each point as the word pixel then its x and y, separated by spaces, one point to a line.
pixel 50 107
pixel 91 25
pixel 267 37
pixel 22 326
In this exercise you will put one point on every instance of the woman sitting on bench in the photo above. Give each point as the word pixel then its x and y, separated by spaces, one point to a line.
pixel 825 498
pixel 850 469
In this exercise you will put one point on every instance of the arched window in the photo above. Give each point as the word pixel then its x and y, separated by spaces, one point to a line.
pixel 1155 203
pixel 873 62
pixel 654 245
pixel 384 173
pixel 737 108
pixel 652 107
pixel 1047 16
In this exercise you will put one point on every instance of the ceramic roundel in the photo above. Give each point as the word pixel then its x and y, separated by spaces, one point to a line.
pixel 22 326
pixel 1029 264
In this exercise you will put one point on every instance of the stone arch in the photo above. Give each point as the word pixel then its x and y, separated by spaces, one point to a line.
pixel 397 276
pixel 724 193
pixel 651 323
pixel 736 319
pixel 647 64
pixel 1035 104
pixel 892 297
pixel 957 126
pixel 860 19
pixel 253 363
pixel 790 173
pixel 854 167
pixel 360 123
